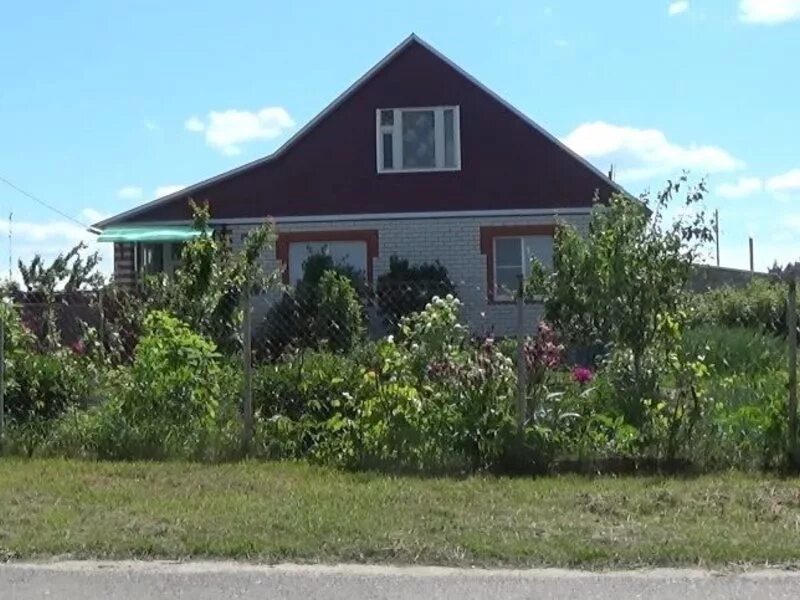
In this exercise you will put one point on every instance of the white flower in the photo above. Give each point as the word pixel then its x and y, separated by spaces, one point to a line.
pixel 449 297
pixel 390 339
pixel 428 306
pixel 436 300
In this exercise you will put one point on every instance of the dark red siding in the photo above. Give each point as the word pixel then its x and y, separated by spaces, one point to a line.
pixel 506 164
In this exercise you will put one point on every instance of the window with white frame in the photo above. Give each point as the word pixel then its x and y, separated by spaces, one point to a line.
pixel 418 139
pixel 351 254
pixel 512 261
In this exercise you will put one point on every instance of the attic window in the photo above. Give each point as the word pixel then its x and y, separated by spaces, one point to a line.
pixel 418 139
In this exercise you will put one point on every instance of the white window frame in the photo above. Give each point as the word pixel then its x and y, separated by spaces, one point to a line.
pixel 499 294
pixel 396 129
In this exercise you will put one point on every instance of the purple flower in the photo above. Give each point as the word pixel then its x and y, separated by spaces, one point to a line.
pixel 78 347
pixel 582 375
pixel 543 351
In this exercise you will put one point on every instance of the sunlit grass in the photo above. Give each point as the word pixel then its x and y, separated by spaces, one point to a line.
pixel 279 512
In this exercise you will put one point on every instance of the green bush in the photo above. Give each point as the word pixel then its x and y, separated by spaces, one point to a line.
pixel 759 305
pixel 339 318
pixel 300 405
pixel 313 383
pixel 170 397
pixel 745 423
pixel 430 401
pixel 406 288
pixel 735 349
pixel 324 310
pixel 39 387
pixel 42 386
pixel 439 401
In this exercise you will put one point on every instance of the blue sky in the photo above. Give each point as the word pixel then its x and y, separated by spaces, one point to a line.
pixel 106 104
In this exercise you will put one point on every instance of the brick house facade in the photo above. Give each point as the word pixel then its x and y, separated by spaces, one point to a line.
pixel 415 160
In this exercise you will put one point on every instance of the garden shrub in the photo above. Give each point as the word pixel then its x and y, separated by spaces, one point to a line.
pixel 170 398
pixel 301 403
pixel 339 319
pixel 431 400
pixel 735 349
pixel 406 288
pixel 745 424
pixel 441 401
pixel 324 310
pixel 759 305
pixel 312 383
pixel 41 386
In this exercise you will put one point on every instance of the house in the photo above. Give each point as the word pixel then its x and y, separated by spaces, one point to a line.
pixel 416 159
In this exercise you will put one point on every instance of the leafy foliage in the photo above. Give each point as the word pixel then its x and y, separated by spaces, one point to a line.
pixel 622 285
pixel 41 386
pixel 759 305
pixel 324 310
pixel 729 350
pixel 406 288
pixel 206 290
pixel 69 272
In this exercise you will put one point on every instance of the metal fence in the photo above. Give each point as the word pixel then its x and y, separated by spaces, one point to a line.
pixel 276 325
pixel 280 325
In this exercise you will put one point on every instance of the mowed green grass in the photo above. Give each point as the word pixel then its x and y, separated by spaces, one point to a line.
pixel 294 512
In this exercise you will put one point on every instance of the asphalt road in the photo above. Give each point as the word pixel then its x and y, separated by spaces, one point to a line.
pixel 204 581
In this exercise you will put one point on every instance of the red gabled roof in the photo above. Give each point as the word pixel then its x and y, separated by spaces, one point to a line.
pixel 328 167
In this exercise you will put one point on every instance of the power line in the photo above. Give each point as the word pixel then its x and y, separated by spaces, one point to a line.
pixel 42 202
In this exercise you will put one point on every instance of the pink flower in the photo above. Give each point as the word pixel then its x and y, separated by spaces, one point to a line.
pixel 78 347
pixel 582 375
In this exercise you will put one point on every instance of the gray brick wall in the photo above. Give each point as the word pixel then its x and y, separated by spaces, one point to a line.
pixel 454 242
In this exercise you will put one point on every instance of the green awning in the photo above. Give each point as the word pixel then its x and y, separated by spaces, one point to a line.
pixel 148 234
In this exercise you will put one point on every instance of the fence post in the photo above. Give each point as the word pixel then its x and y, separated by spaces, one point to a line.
pixel 247 365
pixel 2 378
pixel 791 325
pixel 522 400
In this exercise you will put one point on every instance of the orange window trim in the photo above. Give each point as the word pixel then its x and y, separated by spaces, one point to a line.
pixel 488 234
pixel 370 236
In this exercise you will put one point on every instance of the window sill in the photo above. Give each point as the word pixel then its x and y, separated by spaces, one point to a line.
pixel 433 170
pixel 511 301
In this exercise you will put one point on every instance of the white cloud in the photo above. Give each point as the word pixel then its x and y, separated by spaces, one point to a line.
pixel 768 12
pixel 130 192
pixel 151 125
pixel 676 8
pixel 640 154
pixel 743 187
pixel 194 124
pixel 166 190
pixel 786 183
pixel 227 130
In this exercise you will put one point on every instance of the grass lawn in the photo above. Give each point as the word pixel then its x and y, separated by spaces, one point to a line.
pixel 293 512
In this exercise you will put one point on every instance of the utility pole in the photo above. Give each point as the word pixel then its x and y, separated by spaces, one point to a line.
pixel 791 325
pixel 751 254
pixel 716 232
pixel 10 261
